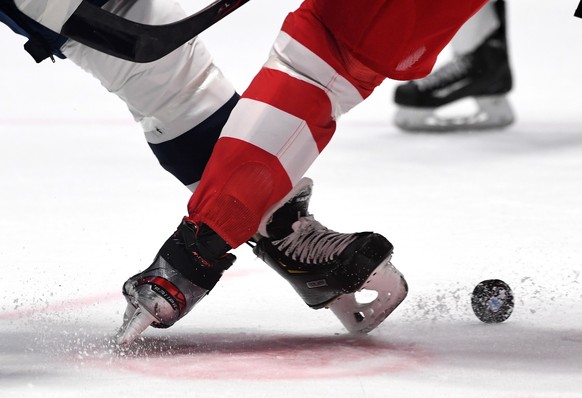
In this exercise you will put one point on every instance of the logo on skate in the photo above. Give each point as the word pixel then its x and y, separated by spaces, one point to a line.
pixel 166 296
pixel 316 284
pixel 446 91
pixel 167 291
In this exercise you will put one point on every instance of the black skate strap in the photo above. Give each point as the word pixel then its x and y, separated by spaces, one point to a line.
pixel 578 12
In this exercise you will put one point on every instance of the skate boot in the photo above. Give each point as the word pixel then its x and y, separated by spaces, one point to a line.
pixel 483 75
pixel 186 268
pixel 327 268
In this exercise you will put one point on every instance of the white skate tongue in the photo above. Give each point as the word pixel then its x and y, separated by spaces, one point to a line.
pixel 303 184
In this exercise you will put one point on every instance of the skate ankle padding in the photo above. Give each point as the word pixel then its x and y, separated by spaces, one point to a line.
pixel 276 220
pixel 175 253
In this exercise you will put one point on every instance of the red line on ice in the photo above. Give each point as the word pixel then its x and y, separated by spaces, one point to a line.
pixel 62 306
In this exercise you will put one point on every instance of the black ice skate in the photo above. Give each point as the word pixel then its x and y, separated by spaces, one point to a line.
pixel 327 268
pixel 483 75
pixel 185 269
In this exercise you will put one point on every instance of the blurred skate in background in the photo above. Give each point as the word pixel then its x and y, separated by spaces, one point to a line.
pixel 470 91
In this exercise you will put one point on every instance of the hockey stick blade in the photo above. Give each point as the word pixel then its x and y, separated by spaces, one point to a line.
pixel 136 42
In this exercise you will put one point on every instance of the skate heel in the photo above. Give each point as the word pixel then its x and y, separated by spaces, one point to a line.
pixel 497 109
pixel 362 317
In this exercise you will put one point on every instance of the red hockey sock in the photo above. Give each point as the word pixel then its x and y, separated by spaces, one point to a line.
pixel 232 198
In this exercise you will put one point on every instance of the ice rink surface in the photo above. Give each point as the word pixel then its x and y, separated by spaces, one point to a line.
pixel 84 205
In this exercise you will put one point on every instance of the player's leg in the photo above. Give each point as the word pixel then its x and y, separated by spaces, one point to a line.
pixel 480 71
pixel 293 130
pixel 181 100
pixel 291 108
pixel 285 119
pixel 241 184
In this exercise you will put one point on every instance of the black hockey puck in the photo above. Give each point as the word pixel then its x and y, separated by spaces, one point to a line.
pixel 492 301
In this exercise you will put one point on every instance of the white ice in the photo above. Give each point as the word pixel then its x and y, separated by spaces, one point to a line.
pixel 84 205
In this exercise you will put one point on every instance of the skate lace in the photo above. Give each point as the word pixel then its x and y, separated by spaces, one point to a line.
pixel 312 243
pixel 447 74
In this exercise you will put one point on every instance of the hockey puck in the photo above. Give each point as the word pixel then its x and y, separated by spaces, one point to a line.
pixel 492 301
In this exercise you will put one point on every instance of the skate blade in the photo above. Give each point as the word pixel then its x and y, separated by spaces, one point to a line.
pixel 391 289
pixel 494 112
pixel 128 314
pixel 133 327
